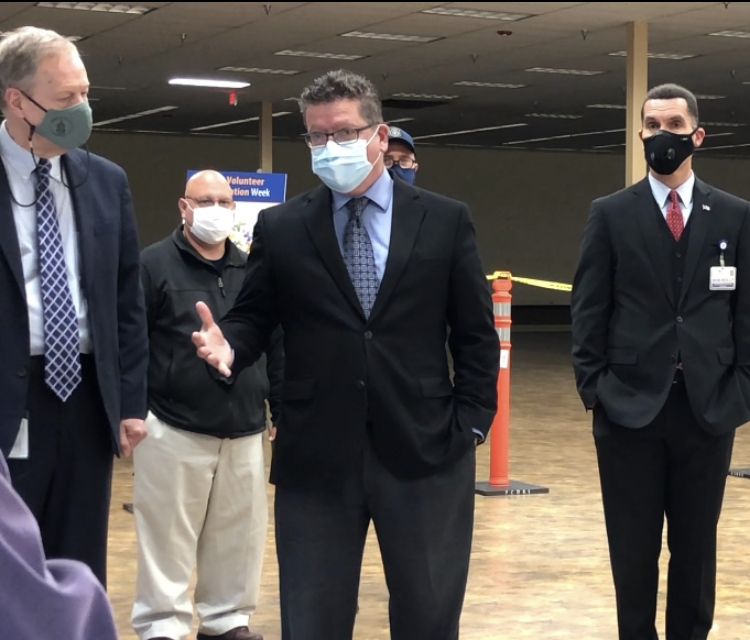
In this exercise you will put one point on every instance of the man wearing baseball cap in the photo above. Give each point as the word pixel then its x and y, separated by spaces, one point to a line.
pixel 400 158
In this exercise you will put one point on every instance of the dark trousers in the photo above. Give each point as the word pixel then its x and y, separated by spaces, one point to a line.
pixel 67 477
pixel 424 530
pixel 670 467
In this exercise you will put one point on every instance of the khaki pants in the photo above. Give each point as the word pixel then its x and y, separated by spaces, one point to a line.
pixel 199 501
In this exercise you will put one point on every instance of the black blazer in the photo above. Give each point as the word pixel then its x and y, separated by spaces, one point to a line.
pixel 344 372
pixel 629 328
pixel 111 283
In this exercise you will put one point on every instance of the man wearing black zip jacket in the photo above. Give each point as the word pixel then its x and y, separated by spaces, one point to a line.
pixel 200 490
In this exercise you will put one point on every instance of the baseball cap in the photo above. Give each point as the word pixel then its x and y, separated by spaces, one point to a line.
pixel 397 133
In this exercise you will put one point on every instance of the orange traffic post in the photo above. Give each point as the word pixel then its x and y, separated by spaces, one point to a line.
pixel 500 483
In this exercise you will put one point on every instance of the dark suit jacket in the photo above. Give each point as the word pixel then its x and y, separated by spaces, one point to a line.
pixel 343 371
pixel 629 329
pixel 111 283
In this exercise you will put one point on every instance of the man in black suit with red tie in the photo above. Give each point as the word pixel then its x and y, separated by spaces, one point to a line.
pixel 661 352
pixel 365 274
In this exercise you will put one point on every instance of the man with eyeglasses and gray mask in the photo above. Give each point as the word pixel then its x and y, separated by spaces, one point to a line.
pixel 200 484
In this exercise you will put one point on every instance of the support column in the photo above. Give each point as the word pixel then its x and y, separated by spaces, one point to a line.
pixel 637 88
pixel 266 137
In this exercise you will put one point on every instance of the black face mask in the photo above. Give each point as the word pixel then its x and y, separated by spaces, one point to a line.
pixel 666 151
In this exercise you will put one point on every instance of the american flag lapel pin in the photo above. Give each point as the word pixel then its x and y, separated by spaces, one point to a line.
pixel 707 207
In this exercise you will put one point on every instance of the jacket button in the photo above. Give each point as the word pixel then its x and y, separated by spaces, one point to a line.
pixel 368 335
pixel 679 319
pixel 360 384
pixel 22 372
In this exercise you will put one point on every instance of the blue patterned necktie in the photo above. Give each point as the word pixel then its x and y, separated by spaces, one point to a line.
pixel 62 363
pixel 359 256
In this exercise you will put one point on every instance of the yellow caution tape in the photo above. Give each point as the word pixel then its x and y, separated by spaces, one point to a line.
pixel 531 282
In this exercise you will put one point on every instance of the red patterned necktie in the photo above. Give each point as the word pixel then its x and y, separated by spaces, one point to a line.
pixel 674 215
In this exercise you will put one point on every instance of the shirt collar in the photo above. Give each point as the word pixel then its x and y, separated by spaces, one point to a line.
pixel 661 191
pixel 380 194
pixel 20 159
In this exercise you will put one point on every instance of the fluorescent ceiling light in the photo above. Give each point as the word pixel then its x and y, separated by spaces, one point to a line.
pixel 275 72
pixel 399 120
pixel 70 38
pixel 606 106
pixel 609 146
pixel 723 124
pixel 207 82
pixel 423 96
pixel 314 54
pixel 390 36
pixel 99 88
pixel 660 56
pixel 132 116
pixel 724 146
pixel 471 13
pixel 491 85
pixel 719 135
pixel 565 72
pixel 554 116
pixel 102 7
pixel 731 34
pixel 233 122
pixel 564 136
pixel 703 96
pixel 465 131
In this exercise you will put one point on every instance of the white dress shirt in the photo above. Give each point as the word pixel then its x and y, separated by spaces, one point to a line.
pixel 684 191
pixel 20 165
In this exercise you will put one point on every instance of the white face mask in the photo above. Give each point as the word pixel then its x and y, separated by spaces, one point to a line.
pixel 342 168
pixel 213 224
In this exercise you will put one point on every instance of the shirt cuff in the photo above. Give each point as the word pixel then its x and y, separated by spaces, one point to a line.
pixel 480 435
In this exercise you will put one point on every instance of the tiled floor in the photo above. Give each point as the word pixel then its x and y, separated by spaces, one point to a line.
pixel 540 568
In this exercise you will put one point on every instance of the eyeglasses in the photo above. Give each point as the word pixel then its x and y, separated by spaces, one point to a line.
pixel 209 202
pixel 404 163
pixel 342 136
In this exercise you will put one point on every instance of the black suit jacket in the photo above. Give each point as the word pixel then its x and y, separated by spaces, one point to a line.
pixel 109 269
pixel 343 371
pixel 629 328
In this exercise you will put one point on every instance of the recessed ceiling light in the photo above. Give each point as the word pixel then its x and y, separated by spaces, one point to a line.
pixel 103 7
pixel 233 122
pixel 398 120
pixel 490 85
pixel 423 96
pixel 723 124
pixel 566 72
pixel 660 56
pixel 315 54
pixel 566 135
pixel 465 131
pixel 208 82
pixel 606 106
pixel 731 34
pixel 703 96
pixel 275 72
pixel 132 116
pixel 390 36
pixel 471 13
pixel 554 116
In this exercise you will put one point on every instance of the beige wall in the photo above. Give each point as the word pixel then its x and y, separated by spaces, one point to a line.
pixel 529 207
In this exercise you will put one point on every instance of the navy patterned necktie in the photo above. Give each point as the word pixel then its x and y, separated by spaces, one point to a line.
pixel 62 363
pixel 359 256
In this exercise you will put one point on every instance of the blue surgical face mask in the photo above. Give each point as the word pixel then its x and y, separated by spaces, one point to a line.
pixel 407 175
pixel 342 168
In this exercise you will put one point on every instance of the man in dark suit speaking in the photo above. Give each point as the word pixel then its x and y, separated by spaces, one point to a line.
pixel 661 351
pixel 364 274
pixel 73 325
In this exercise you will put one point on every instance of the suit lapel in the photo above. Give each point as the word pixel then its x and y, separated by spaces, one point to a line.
pixel 8 233
pixel 700 220
pixel 318 218
pixel 76 175
pixel 648 222
pixel 406 219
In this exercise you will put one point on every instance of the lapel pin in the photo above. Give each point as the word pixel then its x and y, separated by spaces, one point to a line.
pixel 707 207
